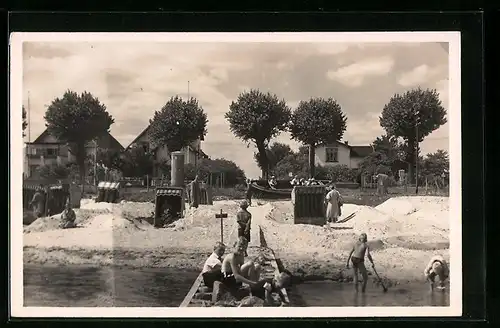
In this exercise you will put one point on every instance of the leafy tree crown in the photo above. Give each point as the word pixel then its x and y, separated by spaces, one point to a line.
pixel 178 124
pixel 404 111
pixel 318 121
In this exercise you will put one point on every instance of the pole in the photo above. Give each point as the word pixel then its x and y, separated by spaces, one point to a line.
pixel 221 228
pixel 188 90
pixel 95 163
pixel 28 146
pixel 416 160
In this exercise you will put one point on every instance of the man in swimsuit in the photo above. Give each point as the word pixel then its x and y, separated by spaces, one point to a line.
pixel 234 271
pixel 437 267
pixel 357 257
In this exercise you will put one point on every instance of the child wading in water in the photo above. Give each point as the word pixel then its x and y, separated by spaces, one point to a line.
pixel 357 256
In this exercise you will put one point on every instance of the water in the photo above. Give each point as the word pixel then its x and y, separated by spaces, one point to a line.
pixel 321 293
pixel 86 286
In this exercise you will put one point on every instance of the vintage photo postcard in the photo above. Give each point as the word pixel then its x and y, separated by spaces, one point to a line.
pixel 235 174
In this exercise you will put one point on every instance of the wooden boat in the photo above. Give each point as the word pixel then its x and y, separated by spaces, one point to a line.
pixel 200 296
pixel 269 193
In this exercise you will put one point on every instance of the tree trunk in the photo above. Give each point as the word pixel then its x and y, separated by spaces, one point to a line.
pixel 312 165
pixel 410 159
pixel 263 159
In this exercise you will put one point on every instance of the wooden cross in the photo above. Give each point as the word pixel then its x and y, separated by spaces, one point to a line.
pixel 221 216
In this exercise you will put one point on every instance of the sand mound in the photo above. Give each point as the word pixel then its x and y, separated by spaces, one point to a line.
pixel 54 222
pixel 113 222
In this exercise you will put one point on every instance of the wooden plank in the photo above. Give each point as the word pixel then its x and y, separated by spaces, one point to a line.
pixel 192 291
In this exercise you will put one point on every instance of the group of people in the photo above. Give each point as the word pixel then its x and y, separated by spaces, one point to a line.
pixel 303 182
pixel 233 271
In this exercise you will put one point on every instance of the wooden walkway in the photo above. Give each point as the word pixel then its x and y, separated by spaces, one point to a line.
pixel 200 296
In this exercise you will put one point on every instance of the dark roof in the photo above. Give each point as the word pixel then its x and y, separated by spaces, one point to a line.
pixel 361 151
pixel 41 137
pixel 139 136
pixel 106 141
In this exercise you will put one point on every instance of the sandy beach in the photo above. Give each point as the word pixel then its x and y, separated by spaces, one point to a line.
pixel 404 232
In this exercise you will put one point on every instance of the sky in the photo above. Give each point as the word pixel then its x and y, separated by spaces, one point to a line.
pixel 133 80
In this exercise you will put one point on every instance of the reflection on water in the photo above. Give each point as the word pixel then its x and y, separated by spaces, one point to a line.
pixel 84 286
pixel 336 294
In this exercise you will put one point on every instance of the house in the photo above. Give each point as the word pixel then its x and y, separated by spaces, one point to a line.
pixel 46 149
pixel 192 153
pixel 341 153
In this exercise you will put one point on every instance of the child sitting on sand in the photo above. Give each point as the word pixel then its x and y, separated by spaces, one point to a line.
pixel 68 217
pixel 437 267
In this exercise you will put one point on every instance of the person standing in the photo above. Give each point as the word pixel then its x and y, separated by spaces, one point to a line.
pixel 194 193
pixel 244 220
pixel 38 202
pixel 357 257
pixel 334 201
pixel 249 192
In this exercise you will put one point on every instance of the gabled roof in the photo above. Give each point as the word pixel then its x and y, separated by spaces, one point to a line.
pixel 139 136
pixel 107 140
pixel 361 151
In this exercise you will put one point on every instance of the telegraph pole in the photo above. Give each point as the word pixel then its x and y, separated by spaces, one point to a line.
pixel 28 146
pixel 416 156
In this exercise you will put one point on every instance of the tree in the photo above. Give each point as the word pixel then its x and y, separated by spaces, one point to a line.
pixel 414 112
pixel 137 162
pixel 25 122
pixel 53 171
pixel 233 174
pixel 436 164
pixel 178 124
pixel 77 119
pixel 258 117
pixel 274 154
pixel 317 121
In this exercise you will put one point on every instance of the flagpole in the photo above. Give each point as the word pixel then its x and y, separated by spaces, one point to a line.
pixel 28 146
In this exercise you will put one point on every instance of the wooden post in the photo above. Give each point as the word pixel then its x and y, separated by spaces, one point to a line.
pixel 221 216
pixel 147 182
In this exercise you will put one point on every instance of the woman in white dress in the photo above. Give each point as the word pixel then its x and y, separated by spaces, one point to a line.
pixel 333 200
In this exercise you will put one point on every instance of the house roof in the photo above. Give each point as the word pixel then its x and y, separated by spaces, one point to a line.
pixel 107 141
pixel 139 136
pixel 356 151
pixel 361 151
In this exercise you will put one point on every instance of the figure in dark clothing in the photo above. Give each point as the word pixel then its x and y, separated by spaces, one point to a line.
pixel 38 202
pixel 194 191
pixel 244 219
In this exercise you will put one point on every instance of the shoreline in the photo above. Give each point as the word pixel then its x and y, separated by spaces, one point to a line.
pixel 303 268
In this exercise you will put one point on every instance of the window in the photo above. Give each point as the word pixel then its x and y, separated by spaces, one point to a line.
pixel 52 152
pixel 332 155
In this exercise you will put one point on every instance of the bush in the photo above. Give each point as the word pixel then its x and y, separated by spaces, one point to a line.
pixel 54 171
pixel 342 173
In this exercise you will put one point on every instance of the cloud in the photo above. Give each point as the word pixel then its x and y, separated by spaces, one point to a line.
pixel 134 80
pixel 419 75
pixel 353 75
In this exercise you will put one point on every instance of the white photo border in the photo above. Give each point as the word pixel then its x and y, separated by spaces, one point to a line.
pixel 16 159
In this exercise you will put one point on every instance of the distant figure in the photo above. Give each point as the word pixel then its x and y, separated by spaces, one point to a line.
pixel 437 267
pixel 244 219
pixel 334 202
pixel 357 257
pixel 382 181
pixel 212 268
pixel 302 182
pixel 38 202
pixel 249 192
pixel 194 192
pixel 295 181
pixel 68 217
pixel 272 182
